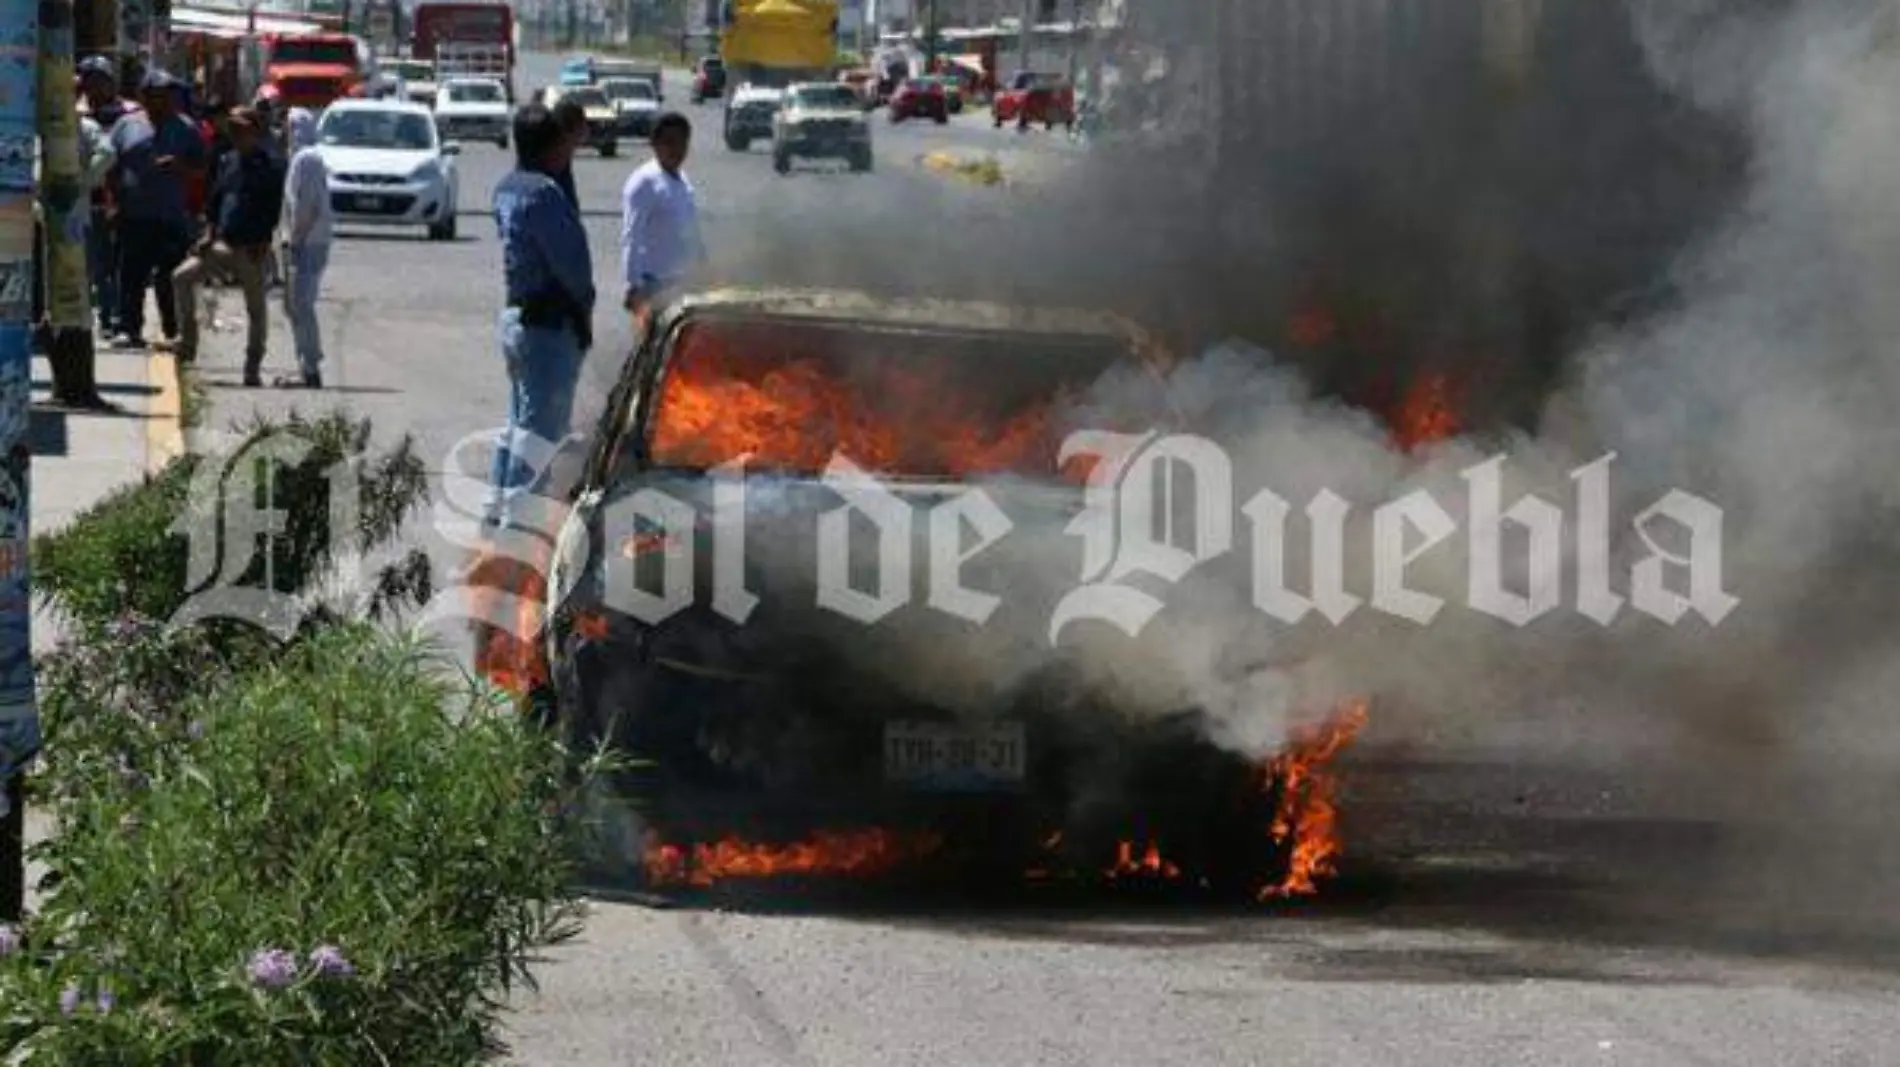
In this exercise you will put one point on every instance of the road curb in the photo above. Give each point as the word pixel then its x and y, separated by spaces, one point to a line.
pixel 164 424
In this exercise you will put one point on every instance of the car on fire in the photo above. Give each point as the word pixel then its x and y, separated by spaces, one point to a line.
pixel 1031 98
pixel 821 120
pixel 749 115
pixel 781 722
pixel 921 98
pixel 603 120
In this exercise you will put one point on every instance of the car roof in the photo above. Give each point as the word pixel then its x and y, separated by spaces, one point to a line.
pixel 401 106
pixel 918 313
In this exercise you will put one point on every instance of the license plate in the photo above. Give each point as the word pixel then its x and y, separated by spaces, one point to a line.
pixel 953 757
pixel 369 203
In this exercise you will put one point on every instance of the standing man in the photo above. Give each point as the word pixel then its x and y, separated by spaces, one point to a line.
pixel 245 203
pixel 659 222
pixel 309 223
pixel 99 93
pixel 547 325
pixel 157 149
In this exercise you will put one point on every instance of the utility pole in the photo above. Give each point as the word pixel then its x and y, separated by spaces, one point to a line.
pixel 1026 34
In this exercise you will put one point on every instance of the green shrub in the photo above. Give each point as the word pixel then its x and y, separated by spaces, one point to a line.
pixel 354 800
pixel 130 553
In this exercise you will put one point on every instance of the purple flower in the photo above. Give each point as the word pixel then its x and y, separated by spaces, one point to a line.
pixel 195 730
pixel 69 1000
pixel 273 968
pixel 9 940
pixel 329 960
pixel 106 1001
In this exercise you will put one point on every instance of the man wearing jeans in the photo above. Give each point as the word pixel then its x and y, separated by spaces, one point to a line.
pixel 547 325
pixel 245 206
pixel 157 148
pixel 309 222
pixel 99 87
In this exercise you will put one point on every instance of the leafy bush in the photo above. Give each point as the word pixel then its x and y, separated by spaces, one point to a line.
pixel 347 856
pixel 132 553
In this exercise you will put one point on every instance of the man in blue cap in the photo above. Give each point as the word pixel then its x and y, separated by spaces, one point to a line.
pixel 157 148
pixel 99 87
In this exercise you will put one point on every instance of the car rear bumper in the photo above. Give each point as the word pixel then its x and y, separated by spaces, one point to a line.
pixel 473 127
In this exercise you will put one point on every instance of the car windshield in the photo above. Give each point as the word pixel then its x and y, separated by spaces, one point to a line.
pixel 371 128
pixel 589 97
pixel 476 93
pixel 296 50
pixel 901 402
pixel 629 89
pixel 826 96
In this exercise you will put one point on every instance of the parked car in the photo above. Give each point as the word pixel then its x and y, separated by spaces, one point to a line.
pixel 1030 97
pixel 709 79
pixel 389 166
pixel 920 98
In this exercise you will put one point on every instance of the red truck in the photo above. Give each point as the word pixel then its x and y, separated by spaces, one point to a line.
pixel 474 39
pixel 312 70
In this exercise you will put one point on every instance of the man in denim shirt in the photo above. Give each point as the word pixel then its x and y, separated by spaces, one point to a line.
pixel 157 148
pixel 243 210
pixel 547 325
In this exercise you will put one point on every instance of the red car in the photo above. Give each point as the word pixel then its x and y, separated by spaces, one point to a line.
pixel 1044 98
pixel 920 98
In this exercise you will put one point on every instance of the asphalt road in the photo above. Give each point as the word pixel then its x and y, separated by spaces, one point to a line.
pixel 1494 910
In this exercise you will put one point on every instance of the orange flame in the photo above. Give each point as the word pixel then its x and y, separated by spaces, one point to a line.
pixel 830 853
pixel 509 656
pixel 730 393
pixel 1307 810
pixel 1427 414
pixel 1149 864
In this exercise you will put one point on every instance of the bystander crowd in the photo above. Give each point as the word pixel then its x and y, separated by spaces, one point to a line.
pixel 158 148
pixel 245 202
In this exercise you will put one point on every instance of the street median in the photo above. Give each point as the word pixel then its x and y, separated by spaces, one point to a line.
pixel 294 835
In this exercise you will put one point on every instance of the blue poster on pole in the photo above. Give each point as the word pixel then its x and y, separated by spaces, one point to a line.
pixel 19 56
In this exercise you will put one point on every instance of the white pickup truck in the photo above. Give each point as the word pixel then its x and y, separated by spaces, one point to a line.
pixel 473 109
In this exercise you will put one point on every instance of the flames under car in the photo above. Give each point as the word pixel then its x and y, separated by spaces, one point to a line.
pixel 805 740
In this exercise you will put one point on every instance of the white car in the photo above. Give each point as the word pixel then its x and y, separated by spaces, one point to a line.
pixel 417 77
pixel 636 102
pixel 473 109
pixel 389 166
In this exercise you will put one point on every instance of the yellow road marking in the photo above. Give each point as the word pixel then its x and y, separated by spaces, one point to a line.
pixel 164 422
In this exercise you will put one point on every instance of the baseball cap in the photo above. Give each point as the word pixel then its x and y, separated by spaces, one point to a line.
pixel 158 79
pixel 99 65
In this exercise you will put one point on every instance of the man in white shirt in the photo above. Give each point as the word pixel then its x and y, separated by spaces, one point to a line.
pixel 309 222
pixel 659 221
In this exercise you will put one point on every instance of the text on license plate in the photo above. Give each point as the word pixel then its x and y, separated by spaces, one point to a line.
pixel 953 756
pixel 369 203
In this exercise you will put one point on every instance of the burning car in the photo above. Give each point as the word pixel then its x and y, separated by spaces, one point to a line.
pixel 785 738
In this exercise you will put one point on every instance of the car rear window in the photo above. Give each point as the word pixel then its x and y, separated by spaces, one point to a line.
pixel 903 403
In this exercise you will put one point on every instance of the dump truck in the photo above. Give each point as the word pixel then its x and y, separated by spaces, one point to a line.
pixel 466 40
pixel 778 42
pixel 313 70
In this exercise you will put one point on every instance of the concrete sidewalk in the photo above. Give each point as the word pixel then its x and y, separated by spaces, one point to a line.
pixel 79 457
